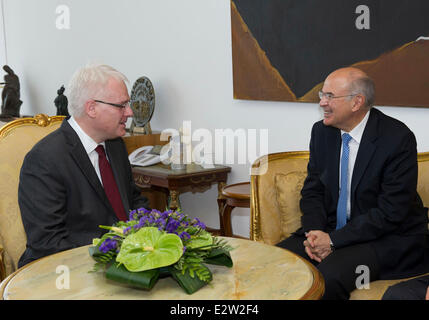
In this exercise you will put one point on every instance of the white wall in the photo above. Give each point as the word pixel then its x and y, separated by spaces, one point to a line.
pixel 3 59
pixel 184 47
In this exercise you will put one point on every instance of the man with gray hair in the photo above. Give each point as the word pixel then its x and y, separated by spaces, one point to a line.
pixel 79 177
pixel 361 212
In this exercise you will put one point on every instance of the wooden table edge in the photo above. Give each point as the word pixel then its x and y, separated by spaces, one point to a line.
pixel 317 289
pixel 6 281
pixel 236 195
pixel 140 170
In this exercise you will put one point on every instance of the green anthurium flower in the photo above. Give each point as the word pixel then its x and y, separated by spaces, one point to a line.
pixel 202 239
pixel 148 249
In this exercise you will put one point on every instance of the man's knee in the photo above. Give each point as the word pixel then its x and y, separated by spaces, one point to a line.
pixel 294 244
pixel 337 287
pixel 393 293
pixel 414 289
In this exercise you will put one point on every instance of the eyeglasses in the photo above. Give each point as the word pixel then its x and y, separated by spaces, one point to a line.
pixel 330 96
pixel 122 106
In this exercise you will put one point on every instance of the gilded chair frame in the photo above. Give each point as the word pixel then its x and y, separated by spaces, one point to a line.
pixel 7 263
pixel 42 120
pixel 2 266
pixel 259 167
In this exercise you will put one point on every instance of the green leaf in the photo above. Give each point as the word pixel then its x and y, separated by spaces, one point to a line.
pixel 93 251
pixel 148 249
pixel 187 282
pixel 202 239
pixel 144 279
pixel 97 255
pixel 102 259
pixel 219 256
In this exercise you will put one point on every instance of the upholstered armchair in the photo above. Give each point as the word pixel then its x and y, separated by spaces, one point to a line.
pixel 16 139
pixel 276 182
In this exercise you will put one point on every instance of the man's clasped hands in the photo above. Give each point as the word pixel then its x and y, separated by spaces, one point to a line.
pixel 317 245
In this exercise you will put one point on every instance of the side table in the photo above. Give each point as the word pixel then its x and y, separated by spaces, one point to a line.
pixel 193 178
pixel 234 195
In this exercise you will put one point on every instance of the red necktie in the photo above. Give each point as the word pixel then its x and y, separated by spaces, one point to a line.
pixel 109 183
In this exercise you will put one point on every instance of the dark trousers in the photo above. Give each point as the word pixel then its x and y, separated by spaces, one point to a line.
pixel 343 270
pixel 414 289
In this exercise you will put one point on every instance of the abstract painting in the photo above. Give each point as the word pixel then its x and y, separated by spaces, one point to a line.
pixel 282 50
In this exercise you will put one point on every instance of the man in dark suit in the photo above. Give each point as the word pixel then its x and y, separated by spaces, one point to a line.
pixel 413 289
pixel 68 187
pixel 362 218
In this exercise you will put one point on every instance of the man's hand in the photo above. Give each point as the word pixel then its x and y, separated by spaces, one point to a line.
pixel 317 245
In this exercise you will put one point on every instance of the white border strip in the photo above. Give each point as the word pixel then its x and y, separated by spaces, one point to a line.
pixel 3 47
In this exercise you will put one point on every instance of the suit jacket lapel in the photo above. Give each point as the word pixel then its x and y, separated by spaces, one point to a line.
pixel 333 147
pixel 365 152
pixel 117 168
pixel 81 158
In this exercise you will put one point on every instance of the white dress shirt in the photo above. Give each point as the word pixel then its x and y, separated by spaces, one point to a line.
pixel 89 144
pixel 354 143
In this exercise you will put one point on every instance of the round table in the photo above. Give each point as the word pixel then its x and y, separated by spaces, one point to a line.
pixel 260 272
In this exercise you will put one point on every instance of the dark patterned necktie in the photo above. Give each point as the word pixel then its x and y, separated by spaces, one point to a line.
pixel 109 184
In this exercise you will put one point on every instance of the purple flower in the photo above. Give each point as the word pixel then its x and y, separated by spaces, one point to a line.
pixel 141 223
pixel 198 223
pixel 150 219
pixel 142 211
pixel 160 222
pixel 107 245
pixel 133 215
pixel 172 226
pixel 184 235
pixel 156 212
pixel 165 214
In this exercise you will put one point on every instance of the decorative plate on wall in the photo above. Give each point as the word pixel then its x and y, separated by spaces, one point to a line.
pixel 142 103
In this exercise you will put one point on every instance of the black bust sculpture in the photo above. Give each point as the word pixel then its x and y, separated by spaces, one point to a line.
pixel 61 103
pixel 10 95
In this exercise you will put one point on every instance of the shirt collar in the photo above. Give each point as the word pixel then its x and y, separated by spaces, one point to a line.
pixel 88 143
pixel 357 131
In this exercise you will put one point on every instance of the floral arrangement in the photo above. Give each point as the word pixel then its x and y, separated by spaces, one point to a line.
pixel 154 244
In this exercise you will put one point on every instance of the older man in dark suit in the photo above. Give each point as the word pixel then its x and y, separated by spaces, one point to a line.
pixel 79 176
pixel 361 211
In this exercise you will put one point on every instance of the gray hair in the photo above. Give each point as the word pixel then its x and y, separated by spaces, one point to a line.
pixel 364 85
pixel 87 82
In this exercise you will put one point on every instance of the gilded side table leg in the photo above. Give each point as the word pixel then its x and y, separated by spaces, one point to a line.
pixel 174 200
pixel 226 217
pixel 221 202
